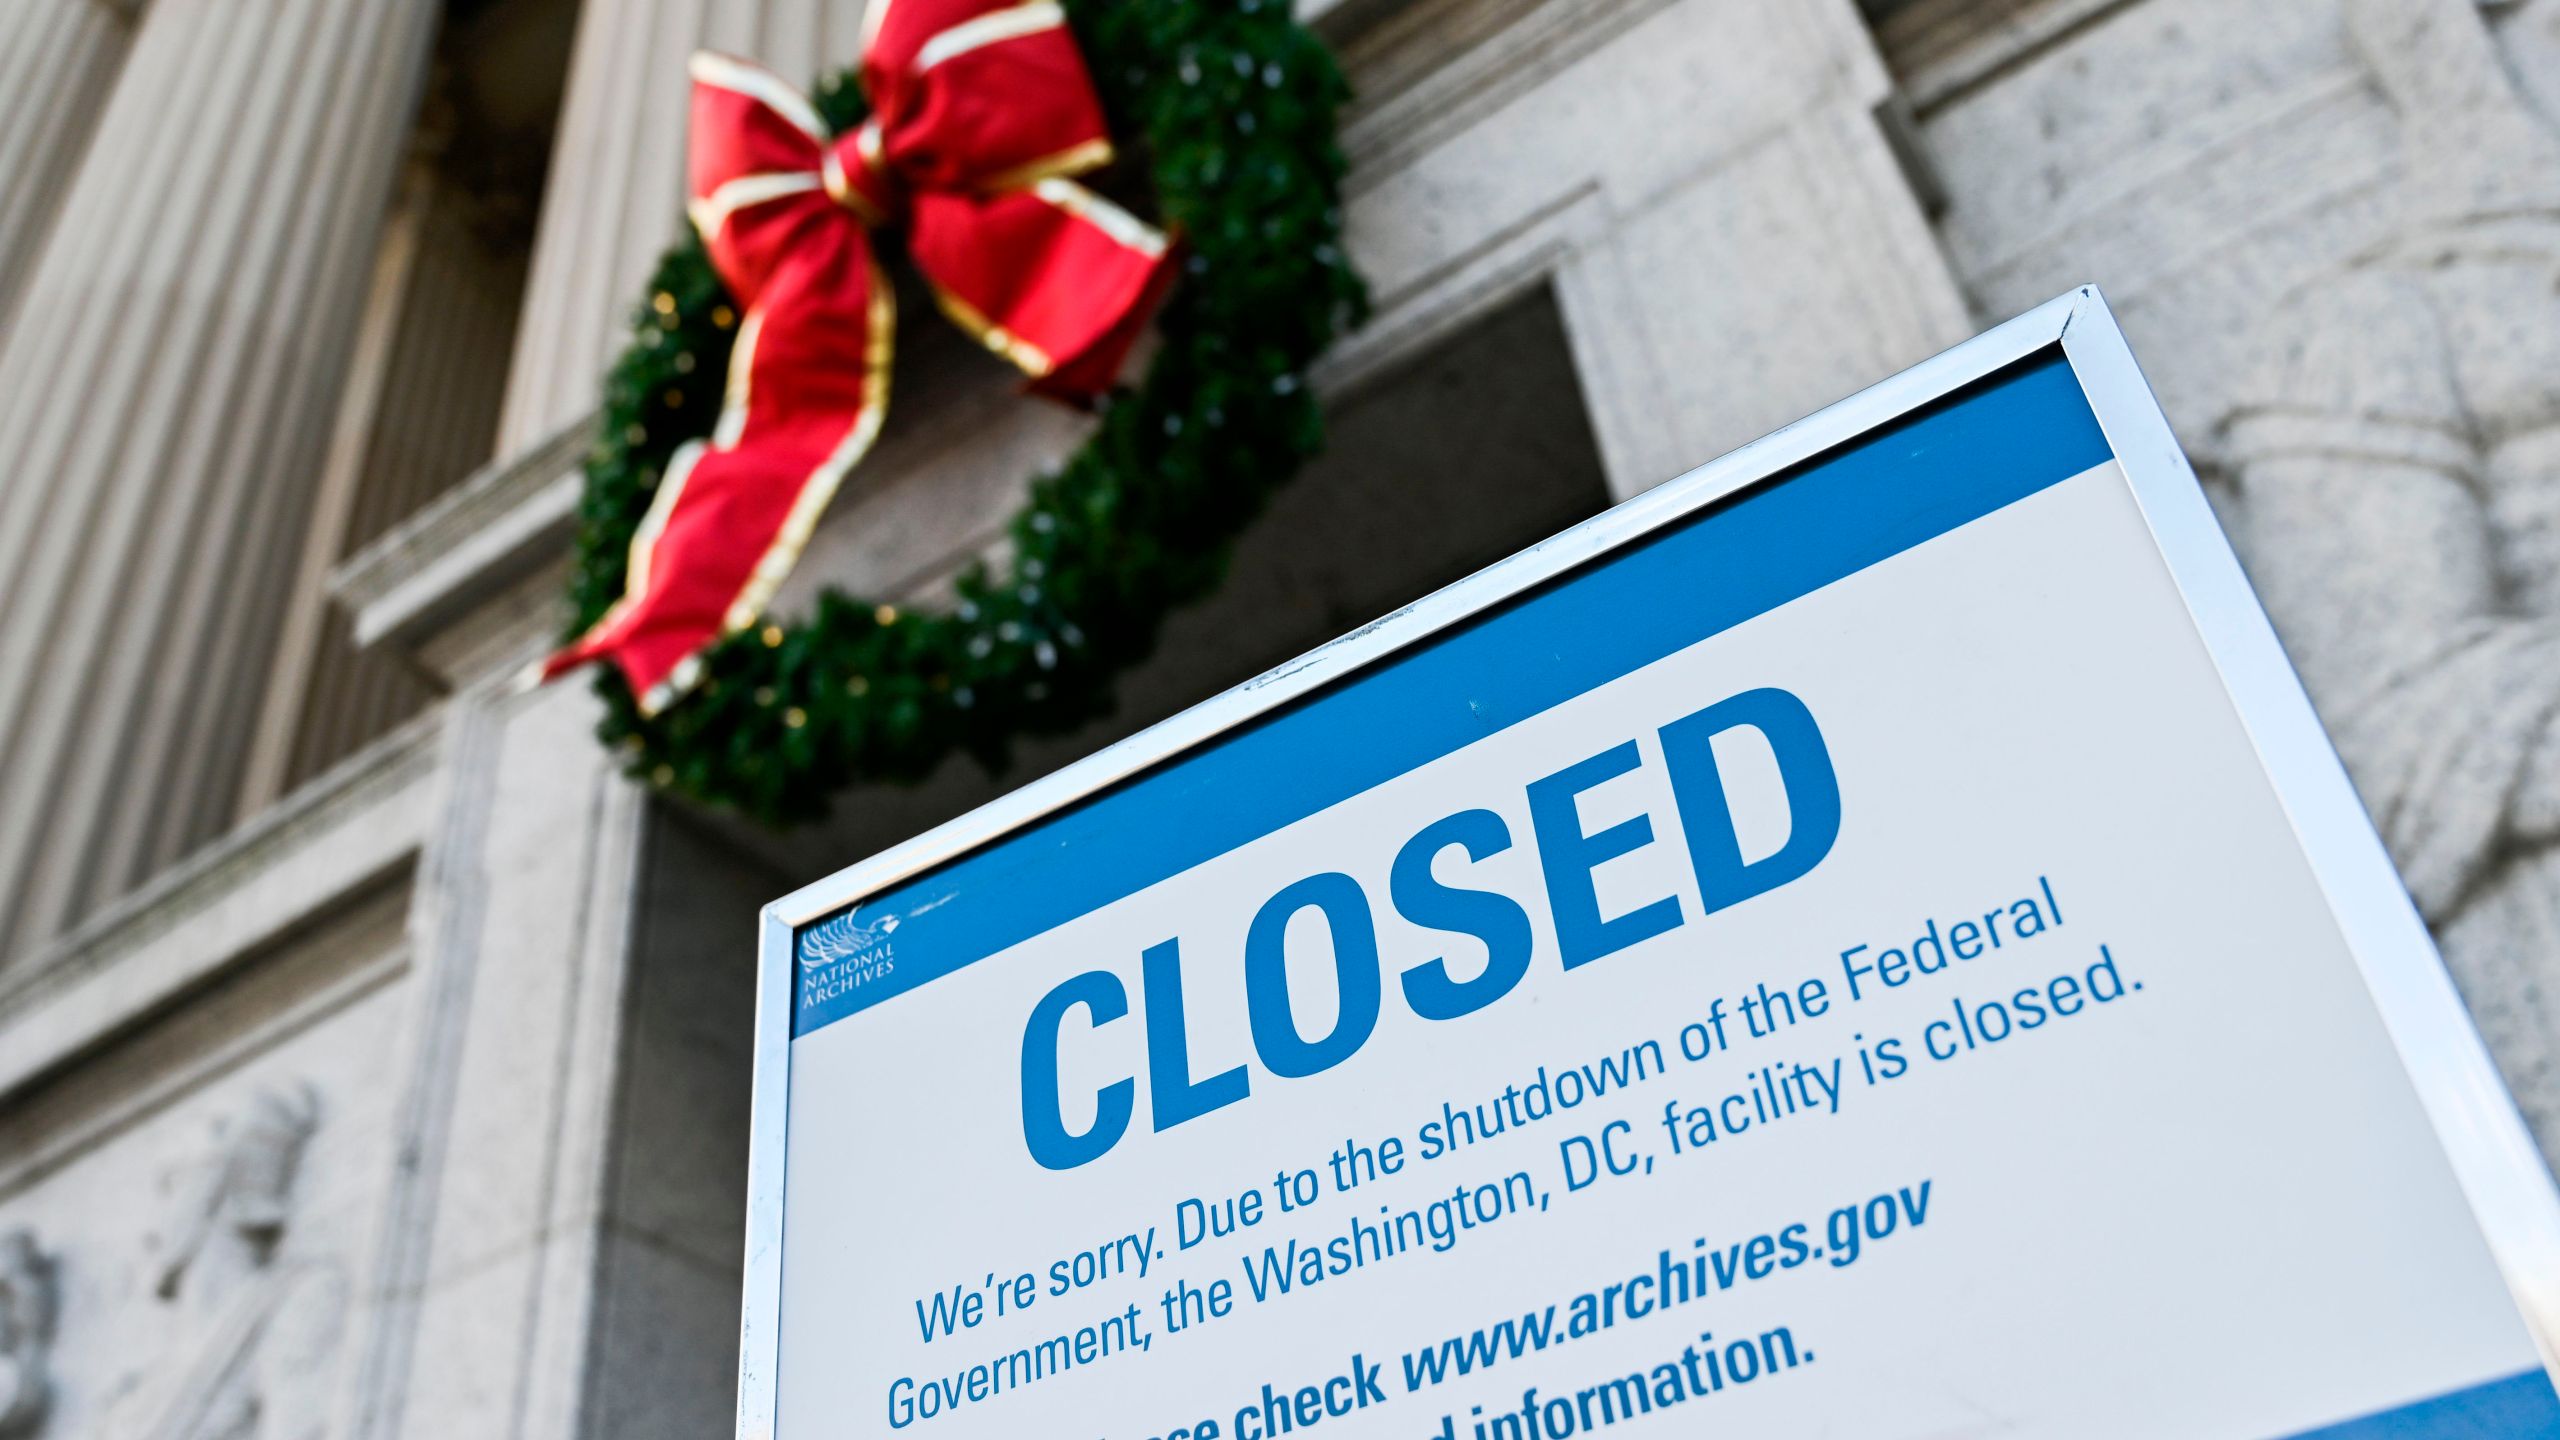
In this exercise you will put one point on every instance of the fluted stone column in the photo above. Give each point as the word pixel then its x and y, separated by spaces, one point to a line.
pixel 166 389
pixel 615 198
pixel 58 59
pixel 419 407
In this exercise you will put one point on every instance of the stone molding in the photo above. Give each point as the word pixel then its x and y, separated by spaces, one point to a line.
pixel 1944 49
pixel 511 518
pixel 1338 20
pixel 331 840
pixel 1475 57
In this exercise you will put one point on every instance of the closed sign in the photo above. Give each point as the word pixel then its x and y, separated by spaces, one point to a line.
pixel 1867 939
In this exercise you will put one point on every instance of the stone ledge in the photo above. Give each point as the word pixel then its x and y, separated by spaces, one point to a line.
pixel 1425 70
pixel 1339 20
pixel 1943 50
pixel 327 843
pixel 511 518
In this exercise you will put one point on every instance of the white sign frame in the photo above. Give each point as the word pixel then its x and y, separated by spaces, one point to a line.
pixel 2493 1155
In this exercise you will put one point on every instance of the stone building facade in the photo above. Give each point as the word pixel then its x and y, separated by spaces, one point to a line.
pixel 373 1056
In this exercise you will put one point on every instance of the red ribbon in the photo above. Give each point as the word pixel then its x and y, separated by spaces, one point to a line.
pixel 980 112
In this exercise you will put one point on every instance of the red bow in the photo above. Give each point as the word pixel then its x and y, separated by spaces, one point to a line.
pixel 980 111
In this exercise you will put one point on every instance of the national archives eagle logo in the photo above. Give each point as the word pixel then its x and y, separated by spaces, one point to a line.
pixel 846 937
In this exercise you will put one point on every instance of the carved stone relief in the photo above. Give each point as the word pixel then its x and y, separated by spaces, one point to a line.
pixel 28 1305
pixel 2529 31
pixel 261 1328
pixel 2398 463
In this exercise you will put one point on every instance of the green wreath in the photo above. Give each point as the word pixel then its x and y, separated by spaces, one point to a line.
pixel 1234 104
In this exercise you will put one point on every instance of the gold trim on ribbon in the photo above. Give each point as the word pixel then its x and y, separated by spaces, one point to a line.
pixel 840 188
pixel 710 214
pixel 740 388
pixel 1029 358
pixel 745 77
pixel 641 556
pixel 644 540
pixel 820 488
pixel 1128 230
pixel 872 16
pixel 1074 160
pixel 686 675
pixel 993 28
pixel 816 492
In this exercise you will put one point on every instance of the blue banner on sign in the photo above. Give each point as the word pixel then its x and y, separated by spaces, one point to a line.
pixel 2009 438
pixel 2520 1407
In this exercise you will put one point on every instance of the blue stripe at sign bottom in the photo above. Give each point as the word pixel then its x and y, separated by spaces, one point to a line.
pixel 2520 1407
pixel 1898 487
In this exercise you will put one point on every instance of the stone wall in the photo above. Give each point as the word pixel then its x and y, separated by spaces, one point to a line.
pixel 2332 231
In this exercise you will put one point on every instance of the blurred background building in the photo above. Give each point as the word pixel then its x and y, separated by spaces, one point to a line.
pixel 373 1058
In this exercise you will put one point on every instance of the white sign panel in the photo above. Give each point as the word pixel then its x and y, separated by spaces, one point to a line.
pixel 1867 940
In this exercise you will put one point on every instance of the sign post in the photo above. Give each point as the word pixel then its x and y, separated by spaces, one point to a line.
pixel 1865 939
